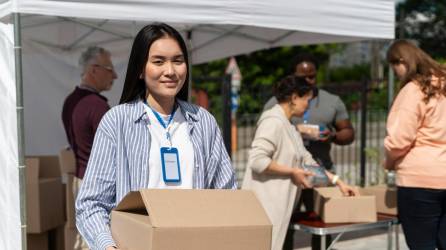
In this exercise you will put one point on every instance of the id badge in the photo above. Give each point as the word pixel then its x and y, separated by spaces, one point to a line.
pixel 170 164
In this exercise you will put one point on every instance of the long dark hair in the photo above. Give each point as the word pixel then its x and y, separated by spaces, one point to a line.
pixel 134 87
pixel 420 68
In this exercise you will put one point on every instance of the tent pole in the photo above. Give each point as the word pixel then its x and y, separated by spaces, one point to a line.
pixel 20 124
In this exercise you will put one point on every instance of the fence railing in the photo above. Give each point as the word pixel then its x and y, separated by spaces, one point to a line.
pixel 345 158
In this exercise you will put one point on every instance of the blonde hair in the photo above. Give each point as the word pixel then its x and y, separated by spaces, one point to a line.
pixel 420 68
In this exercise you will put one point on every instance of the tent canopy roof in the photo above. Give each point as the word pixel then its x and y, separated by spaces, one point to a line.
pixel 217 29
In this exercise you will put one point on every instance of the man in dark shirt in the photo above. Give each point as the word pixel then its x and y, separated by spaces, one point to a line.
pixel 83 110
pixel 85 106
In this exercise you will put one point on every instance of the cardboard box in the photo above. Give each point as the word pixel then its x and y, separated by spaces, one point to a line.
pixel 44 193
pixel 155 219
pixel 37 241
pixel 67 161
pixel 386 198
pixel 69 237
pixel 333 207
pixel 70 203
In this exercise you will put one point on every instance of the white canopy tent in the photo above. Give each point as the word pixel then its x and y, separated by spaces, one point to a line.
pixel 55 32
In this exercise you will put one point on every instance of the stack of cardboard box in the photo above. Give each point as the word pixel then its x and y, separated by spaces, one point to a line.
pixel 68 168
pixel 44 204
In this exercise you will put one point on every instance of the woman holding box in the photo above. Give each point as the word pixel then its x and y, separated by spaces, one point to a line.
pixel 277 157
pixel 153 139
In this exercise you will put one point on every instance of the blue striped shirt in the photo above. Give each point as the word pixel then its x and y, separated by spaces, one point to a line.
pixel 119 163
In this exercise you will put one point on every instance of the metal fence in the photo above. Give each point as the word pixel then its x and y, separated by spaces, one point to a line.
pixel 345 158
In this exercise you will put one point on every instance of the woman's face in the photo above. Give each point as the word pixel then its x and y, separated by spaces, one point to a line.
pixel 300 104
pixel 400 69
pixel 166 68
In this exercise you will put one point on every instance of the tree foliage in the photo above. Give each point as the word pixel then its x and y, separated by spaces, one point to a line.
pixel 425 22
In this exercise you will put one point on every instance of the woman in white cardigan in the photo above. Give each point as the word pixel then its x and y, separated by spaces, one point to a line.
pixel 277 154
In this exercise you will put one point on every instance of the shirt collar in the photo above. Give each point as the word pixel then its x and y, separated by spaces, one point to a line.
pixel 189 111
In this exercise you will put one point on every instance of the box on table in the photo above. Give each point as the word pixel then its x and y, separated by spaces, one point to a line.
pixel 386 198
pixel 155 219
pixel 44 194
pixel 333 207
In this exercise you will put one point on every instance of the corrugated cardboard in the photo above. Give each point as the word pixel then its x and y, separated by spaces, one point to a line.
pixel 70 237
pixel 154 219
pixel 67 161
pixel 333 207
pixel 386 198
pixel 44 204
pixel 37 241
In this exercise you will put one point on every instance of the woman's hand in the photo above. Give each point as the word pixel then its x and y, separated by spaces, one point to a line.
pixel 299 177
pixel 346 189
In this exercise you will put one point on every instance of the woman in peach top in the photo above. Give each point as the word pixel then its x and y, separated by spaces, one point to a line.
pixel 416 145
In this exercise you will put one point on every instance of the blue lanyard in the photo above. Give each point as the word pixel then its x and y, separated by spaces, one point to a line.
pixel 160 120
pixel 307 112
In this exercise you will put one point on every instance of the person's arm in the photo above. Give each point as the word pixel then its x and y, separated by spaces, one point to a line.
pixel 403 121
pixel 345 189
pixel 298 176
pixel 344 133
pixel 220 171
pixel 97 194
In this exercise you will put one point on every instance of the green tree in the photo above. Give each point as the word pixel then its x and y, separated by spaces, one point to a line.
pixel 425 22
pixel 259 70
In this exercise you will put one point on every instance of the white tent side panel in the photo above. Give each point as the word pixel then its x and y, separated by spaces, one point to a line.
pixel 10 234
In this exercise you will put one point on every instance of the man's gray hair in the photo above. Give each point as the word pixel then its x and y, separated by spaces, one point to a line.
pixel 90 56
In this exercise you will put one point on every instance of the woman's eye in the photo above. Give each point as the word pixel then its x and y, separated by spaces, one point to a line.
pixel 178 61
pixel 157 62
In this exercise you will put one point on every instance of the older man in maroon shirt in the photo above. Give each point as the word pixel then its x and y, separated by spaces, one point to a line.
pixel 85 106
pixel 83 109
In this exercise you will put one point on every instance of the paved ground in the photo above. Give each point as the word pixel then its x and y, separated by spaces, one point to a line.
pixel 365 240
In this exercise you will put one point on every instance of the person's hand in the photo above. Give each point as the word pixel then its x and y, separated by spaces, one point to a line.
pixel 346 189
pixel 387 164
pixel 326 135
pixel 112 248
pixel 299 177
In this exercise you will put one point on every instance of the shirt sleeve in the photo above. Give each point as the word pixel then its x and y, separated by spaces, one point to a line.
pixel 265 143
pixel 219 170
pixel 97 195
pixel 403 121
pixel 341 110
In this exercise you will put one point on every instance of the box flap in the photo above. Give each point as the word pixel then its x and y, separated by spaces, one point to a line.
pixel 203 208
pixel 332 192
pixel 131 202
